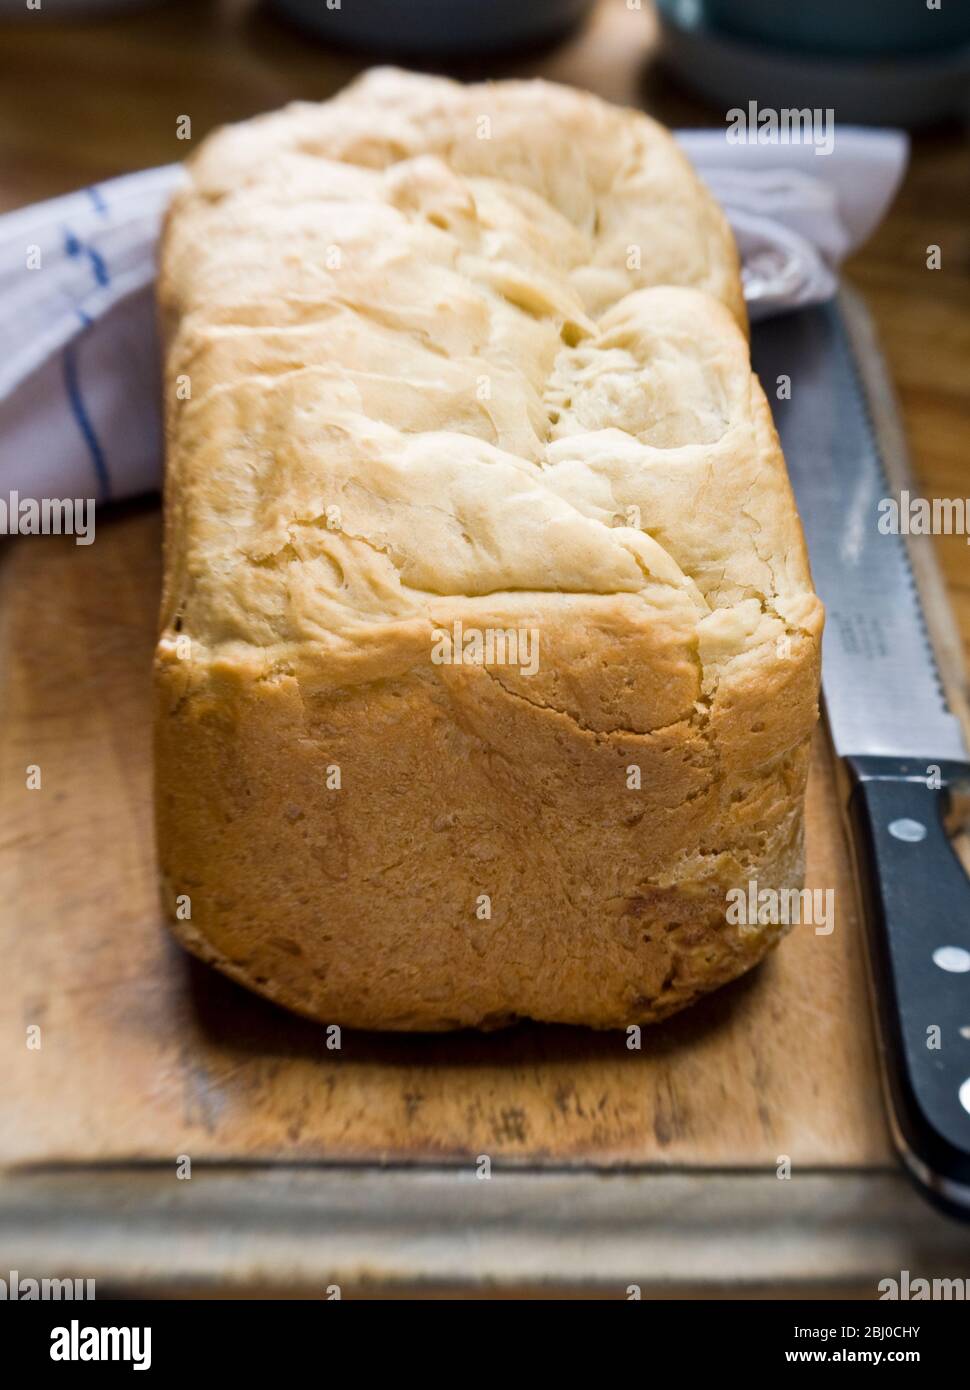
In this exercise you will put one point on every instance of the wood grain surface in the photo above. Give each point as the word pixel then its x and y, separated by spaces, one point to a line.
pixel 147 1054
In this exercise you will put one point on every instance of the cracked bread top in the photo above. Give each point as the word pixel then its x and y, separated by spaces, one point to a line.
pixel 466 351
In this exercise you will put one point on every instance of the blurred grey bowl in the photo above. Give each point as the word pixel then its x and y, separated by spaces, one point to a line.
pixel 436 26
pixel 907 87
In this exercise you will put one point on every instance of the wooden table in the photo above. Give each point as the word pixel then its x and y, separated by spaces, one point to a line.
pixel 148 1056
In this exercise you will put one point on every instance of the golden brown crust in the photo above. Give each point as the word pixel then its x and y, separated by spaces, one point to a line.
pixel 428 390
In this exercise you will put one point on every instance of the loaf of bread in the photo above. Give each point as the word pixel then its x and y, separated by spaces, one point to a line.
pixel 489 652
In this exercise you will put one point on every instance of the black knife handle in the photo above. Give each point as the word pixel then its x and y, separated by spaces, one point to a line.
pixel 917 900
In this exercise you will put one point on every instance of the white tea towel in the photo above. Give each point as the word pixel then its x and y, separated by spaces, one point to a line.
pixel 797 213
pixel 79 365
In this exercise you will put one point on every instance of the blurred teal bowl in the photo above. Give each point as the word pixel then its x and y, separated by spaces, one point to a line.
pixel 861 28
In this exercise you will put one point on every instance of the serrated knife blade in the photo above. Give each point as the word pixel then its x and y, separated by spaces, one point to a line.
pixel 883 695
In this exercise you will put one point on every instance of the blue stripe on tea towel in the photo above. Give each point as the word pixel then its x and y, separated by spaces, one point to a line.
pixel 74 247
pixel 79 411
pixel 94 193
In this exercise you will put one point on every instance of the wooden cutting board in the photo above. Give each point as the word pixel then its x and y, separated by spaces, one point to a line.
pixel 669 1154
pixel 147 1054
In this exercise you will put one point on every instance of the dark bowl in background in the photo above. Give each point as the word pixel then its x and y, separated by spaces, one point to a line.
pixel 861 28
pixel 455 27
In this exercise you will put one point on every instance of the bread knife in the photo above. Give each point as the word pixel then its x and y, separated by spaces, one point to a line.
pixel 902 750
